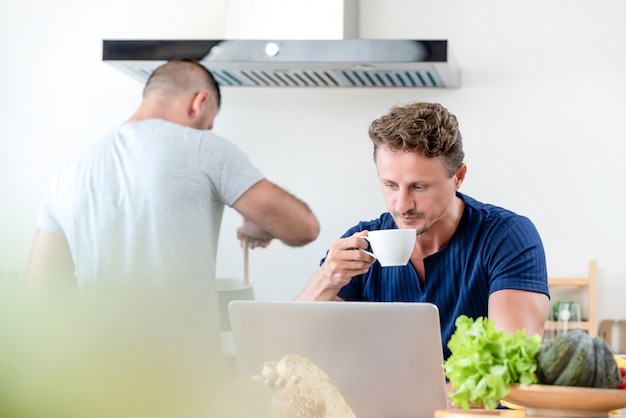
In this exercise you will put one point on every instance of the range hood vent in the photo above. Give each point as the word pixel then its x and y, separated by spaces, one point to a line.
pixel 298 63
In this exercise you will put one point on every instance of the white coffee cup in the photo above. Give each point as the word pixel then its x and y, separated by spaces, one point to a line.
pixel 391 247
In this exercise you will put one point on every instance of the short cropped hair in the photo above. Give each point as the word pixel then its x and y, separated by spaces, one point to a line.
pixel 182 75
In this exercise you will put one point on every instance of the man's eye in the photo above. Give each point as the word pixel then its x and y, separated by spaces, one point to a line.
pixel 391 186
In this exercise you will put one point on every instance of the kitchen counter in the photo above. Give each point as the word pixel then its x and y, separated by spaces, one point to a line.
pixel 482 413
pixel 478 413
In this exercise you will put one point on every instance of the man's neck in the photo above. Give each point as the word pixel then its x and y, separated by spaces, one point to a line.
pixel 441 231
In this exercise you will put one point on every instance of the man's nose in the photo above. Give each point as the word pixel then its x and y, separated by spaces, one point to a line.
pixel 404 202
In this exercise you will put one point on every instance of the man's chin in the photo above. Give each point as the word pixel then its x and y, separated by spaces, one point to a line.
pixel 419 226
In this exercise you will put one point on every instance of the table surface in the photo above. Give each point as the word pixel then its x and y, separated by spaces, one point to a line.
pixel 483 413
pixel 478 413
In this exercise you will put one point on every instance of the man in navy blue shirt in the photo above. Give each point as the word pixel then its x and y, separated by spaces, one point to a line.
pixel 470 258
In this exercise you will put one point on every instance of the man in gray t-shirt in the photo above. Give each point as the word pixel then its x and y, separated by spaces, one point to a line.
pixel 145 203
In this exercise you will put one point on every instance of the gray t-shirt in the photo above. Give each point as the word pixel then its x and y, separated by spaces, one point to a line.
pixel 146 202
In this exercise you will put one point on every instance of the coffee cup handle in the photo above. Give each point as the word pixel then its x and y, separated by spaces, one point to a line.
pixel 365 251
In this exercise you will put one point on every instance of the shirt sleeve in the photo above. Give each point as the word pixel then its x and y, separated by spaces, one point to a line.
pixel 229 169
pixel 515 256
pixel 46 218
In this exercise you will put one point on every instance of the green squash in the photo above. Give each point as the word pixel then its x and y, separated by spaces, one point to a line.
pixel 607 370
pixel 580 369
pixel 576 359
pixel 554 356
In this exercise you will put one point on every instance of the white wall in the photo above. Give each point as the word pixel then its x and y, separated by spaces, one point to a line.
pixel 541 105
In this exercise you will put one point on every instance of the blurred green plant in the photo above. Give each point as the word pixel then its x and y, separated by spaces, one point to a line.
pixel 116 354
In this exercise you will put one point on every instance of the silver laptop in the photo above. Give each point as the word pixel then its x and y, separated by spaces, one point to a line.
pixel 385 359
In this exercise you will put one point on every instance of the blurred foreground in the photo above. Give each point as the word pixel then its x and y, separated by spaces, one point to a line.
pixel 117 354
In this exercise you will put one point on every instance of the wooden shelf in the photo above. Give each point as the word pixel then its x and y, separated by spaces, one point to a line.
pixel 588 285
pixel 567 282
pixel 554 325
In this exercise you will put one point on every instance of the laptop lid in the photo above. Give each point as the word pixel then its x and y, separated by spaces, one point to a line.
pixel 384 358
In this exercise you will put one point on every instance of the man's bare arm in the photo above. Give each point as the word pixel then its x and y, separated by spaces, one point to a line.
pixel 50 264
pixel 513 310
pixel 278 213
pixel 343 261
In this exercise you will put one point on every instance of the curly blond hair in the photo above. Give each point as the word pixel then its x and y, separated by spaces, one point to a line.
pixel 423 127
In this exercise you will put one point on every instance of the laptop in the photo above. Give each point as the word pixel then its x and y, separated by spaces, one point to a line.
pixel 385 358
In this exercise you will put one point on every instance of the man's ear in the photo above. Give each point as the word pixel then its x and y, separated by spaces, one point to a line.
pixel 196 106
pixel 460 175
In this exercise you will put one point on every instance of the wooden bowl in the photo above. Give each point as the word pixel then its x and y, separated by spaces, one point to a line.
pixel 566 401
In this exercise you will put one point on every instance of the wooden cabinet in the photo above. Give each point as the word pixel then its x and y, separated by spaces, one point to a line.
pixel 587 289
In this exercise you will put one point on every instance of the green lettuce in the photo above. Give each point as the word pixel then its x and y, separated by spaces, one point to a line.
pixel 485 361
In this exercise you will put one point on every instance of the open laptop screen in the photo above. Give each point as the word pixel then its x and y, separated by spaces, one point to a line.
pixel 384 358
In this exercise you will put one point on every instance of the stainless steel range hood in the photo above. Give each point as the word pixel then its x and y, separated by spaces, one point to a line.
pixel 298 63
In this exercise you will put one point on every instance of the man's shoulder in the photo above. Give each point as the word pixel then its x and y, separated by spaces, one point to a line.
pixel 489 217
pixel 161 127
pixel 158 135
pixel 486 210
pixel 494 221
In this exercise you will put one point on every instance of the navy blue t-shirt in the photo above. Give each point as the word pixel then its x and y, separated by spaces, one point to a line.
pixel 492 249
